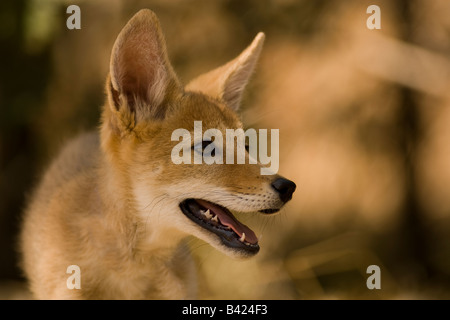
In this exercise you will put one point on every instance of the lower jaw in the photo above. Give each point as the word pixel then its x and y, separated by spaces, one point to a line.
pixel 228 238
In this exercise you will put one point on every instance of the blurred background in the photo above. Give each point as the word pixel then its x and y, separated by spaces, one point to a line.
pixel 364 120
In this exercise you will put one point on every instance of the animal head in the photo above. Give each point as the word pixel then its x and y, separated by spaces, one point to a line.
pixel 146 103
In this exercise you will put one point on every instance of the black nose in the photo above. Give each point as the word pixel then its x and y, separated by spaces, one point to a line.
pixel 285 188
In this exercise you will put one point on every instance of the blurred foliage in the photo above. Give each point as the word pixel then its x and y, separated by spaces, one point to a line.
pixel 23 81
pixel 363 118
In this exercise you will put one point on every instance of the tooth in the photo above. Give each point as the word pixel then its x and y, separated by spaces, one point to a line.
pixel 208 214
pixel 215 219
pixel 242 238
pixel 202 212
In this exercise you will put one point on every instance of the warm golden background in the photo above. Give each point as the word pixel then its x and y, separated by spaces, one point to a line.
pixel 364 119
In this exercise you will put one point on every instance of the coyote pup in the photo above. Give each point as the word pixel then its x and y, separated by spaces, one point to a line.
pixel 115 205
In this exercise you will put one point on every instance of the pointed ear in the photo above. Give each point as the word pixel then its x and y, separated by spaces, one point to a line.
pixel 228 82
pixel 141 77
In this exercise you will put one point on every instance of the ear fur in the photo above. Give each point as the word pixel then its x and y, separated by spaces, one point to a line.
pixel 141 76
pixel 228 82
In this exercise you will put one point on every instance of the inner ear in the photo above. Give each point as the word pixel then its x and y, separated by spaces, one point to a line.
pixel 139 68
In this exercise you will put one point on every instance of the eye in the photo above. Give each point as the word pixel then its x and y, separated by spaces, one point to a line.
pixel 205 144
pixel 200 147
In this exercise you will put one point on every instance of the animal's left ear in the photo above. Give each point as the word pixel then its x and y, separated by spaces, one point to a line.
pixel 228 82
pixel 141 76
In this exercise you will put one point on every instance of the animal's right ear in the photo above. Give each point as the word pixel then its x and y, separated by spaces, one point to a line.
pixel 228 82
pixel 141 77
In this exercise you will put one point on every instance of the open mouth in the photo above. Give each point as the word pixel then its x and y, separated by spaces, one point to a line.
pixel 222 222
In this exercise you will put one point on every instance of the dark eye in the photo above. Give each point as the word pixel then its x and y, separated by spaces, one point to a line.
pixel 204 144
pixel 207 143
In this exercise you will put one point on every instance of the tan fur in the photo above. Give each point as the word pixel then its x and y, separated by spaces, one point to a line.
pixel 109 202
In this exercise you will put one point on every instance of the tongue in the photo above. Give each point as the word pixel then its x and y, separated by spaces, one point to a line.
pixel 227 219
